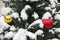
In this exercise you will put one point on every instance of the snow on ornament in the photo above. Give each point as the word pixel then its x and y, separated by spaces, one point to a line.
pixel 47 23
pixel 47 15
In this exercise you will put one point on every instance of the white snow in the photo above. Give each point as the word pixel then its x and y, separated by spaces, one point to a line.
pixel 39 21
pixel 3 24
pixel 31 35
pixel 27 6
pixel 57 29
pixel 23 33
pixel 39 32
pixel 55 39
pixel 35 15
pixel 49 39
pixel 13 28
pixel 5 0
pixel 41 5
pixel 48 8
pixel 9 35
pixel 43 35
pixel 53 11
pixel 53 2
pixel 58 35
pixel 1 30
pixel 24 16
pixel 6 32
pixel 20 35
pixel 46 15
pixel 51 31
pixel 19 19
pixel 34 0
pixel 26 25
pixel 15 15
pixel 59 11
pixel 2 37
pixel 57 17
pixel 5 10
pixel 1 4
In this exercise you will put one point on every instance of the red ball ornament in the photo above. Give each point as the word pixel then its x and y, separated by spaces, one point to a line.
pixel 47 23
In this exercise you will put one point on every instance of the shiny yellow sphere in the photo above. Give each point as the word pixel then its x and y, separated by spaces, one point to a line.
pixel 7 18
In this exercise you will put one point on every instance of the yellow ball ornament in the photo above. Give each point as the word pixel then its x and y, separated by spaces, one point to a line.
pixel 7 18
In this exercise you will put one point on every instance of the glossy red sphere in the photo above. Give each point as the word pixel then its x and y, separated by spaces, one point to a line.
pixel 48 23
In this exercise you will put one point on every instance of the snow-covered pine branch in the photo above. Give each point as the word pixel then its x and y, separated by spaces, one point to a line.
pixel 39 21
pixel 22 35
pixel 35 15
pixel 24 16
pixel 53 3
